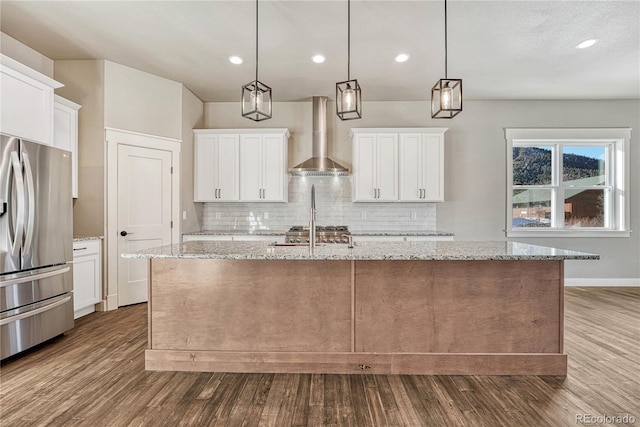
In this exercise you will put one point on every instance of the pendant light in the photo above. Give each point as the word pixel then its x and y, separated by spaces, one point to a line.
pixel 256 96
pixel 446 95
pixel 348 93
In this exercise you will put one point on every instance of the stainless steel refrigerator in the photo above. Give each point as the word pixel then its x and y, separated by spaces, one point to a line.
pixel 36 244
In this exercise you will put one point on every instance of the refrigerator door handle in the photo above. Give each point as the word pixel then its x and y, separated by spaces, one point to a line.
pixel 19 228
pixel 32 313
pixel 28 240
pixel 33 277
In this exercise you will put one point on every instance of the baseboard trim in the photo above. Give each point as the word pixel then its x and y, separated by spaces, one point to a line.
pixel 603 282
pixel 358 363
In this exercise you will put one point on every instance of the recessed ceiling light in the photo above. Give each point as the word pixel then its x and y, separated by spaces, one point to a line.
pixel 402 57
pixel 235 60
pixel 587 43
pixel 318 59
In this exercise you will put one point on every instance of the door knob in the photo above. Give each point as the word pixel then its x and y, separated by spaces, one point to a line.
pixel 124 233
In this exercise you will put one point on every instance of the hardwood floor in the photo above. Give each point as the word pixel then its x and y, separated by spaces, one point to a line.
pixel 94 376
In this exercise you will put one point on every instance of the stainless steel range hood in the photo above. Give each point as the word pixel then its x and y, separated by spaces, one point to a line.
pixel 320 164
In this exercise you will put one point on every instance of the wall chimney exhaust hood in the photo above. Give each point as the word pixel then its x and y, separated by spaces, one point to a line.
pixel 320 164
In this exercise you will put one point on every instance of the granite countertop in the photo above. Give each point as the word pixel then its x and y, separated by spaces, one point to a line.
pixel 282 233
pixel 470 251
pixel 85 238
pixel 402 233
pixel 236 233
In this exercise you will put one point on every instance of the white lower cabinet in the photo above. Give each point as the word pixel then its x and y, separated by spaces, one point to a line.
pixel 87 274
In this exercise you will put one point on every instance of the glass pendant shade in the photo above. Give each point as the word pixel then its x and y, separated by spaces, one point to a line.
pixel 446 99
pixel 256 101
pixel 348 100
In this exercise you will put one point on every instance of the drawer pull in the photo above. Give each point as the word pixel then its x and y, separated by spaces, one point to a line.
pixel 80 249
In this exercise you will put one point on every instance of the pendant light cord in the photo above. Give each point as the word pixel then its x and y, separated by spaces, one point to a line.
pixel 348 40
pixel 445 39
pixel 256 46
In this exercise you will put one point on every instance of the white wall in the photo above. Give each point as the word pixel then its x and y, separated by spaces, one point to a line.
pixel 192 118
pixel 141 102
pixel 296 116
pixel 84 84
pixel 25 55
pixel 475 181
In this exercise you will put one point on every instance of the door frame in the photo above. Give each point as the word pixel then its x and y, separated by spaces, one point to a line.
pixel 115 138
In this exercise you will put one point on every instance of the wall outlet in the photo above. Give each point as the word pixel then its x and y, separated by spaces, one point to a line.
pixel 413 215
pixel 363 215
pixel 265 215
pixel 217 215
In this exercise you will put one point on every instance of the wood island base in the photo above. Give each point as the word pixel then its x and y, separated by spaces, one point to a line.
pixel 349 316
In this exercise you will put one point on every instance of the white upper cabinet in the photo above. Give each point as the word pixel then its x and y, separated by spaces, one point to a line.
pixel 375 167
pixel 263 171
pixel 26 102
pixel 421 167
pixel 398 165
pixel 240 165
pixel 216 167
pixel 65 133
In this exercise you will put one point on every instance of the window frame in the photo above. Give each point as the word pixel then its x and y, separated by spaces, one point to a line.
pixel 616 179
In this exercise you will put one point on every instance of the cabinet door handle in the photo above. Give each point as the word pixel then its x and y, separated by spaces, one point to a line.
pixel 219 193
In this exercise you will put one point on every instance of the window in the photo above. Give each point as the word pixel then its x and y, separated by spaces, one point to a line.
pixel 567 182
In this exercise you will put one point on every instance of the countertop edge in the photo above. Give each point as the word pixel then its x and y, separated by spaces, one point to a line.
pixel 353 233
pixel 84 239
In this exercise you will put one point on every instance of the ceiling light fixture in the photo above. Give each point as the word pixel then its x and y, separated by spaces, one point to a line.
pixel 256 96
pixel 446 95
pixel 587 43
pixel 348 93
pixel 401 57
pixel 235 60
pixel 318 59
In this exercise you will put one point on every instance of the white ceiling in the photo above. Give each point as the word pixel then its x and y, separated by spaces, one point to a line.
pixel 501 49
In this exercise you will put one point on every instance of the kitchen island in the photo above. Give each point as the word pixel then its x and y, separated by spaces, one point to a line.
pixel 483 308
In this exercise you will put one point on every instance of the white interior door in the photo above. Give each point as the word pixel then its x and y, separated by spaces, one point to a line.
pixel 144 214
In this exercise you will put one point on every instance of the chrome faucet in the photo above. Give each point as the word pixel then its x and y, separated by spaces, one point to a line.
pixel 312 221
pixel 350 240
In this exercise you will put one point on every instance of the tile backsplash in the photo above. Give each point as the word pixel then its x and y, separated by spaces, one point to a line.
pixel 334 206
